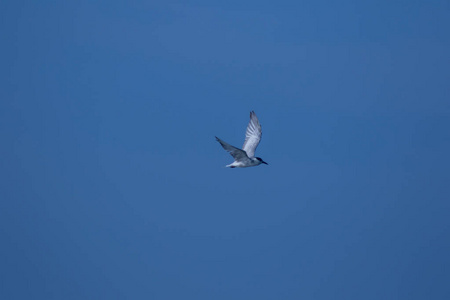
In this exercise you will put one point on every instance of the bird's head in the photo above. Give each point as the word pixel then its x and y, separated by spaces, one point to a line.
pixel 263 162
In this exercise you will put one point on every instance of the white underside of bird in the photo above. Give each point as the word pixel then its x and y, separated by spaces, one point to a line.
pixel 245 157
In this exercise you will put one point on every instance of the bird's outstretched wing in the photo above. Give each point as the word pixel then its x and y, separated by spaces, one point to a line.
pixel 237 153
pixel 252 135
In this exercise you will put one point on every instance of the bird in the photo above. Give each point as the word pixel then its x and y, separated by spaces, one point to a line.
pixel 245 157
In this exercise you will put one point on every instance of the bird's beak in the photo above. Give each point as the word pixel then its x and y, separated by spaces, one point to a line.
pixel 265 163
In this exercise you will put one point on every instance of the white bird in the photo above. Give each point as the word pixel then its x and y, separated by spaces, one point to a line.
pixel 245 157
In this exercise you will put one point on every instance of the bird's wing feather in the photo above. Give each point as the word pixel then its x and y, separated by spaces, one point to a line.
pixel 252 135
pixel 237 153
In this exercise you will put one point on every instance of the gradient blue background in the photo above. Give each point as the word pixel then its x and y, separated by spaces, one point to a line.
pixel 113 186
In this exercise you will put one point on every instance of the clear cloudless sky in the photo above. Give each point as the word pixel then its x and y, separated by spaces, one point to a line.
pixel 113 186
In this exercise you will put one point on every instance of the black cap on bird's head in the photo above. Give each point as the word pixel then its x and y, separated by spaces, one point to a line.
pixel 263 162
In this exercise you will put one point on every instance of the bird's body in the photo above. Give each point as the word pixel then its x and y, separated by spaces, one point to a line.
pixel 252 162
pixel 245 157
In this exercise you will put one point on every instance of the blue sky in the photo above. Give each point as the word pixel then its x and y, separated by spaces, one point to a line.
pixel 113 186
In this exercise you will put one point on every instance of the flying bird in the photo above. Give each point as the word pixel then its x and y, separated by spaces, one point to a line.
pixel 245 157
